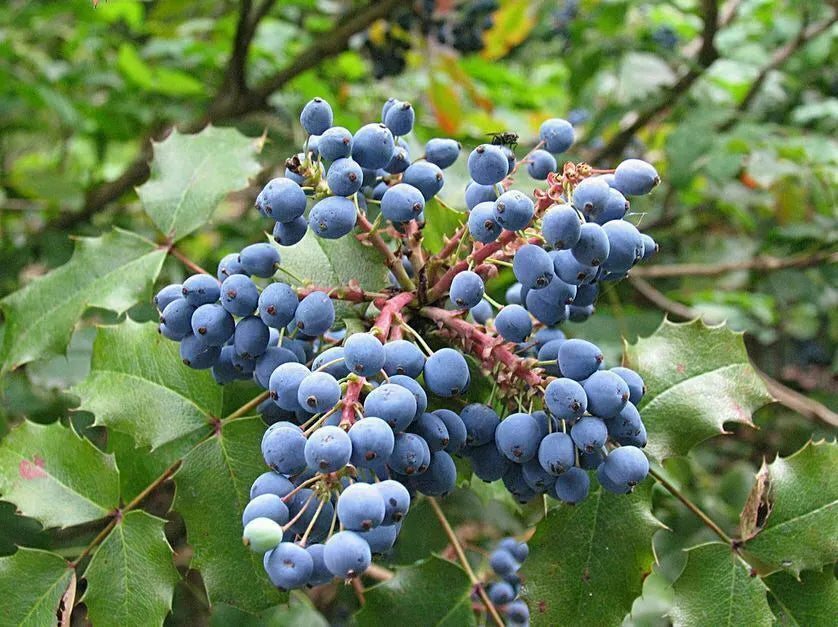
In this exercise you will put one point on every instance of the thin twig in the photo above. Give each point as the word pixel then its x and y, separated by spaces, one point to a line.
pixel 796 401
pixel 660 300
pixel 394 263
pixel 186 261
pixel 241 411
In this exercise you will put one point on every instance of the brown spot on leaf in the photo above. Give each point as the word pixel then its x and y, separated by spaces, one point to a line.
pixel 32 470
pixel 758 506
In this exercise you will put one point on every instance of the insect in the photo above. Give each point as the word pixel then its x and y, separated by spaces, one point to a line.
pixel 504 138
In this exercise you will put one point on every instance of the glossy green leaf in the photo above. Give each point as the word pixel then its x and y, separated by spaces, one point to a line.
pixel 113 271
pixel 192 174
pixel 587 562
pixel 790 521
pixel 440 221
pixel 332 262
pixel 299 612
pixel 138 384
pixel 810 602
pixel 433 592
pixel 213 487
pixel 131 576
pixel 55 476
pixel 697 377
pixel 716 588
pixel 32 583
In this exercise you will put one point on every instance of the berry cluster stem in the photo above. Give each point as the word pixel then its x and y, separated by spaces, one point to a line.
pixel 393 262
pixel 350 399
pixel 389 310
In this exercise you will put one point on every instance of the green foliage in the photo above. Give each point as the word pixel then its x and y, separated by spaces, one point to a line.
pixel 812 600
pixel 33 601
pixel 697 379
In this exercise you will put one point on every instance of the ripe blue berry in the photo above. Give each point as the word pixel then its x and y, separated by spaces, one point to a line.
pixel 616 206
pixel 281 199
pixel 455 428
pixel 265 506
pixel 277 305
pixel 442 152
pixel 426 177
pixel 415 389
pixel 538 479
pixel 482 224
pixel 439 478
pixel 561 226
pixel 239 295
pixel 346 554
pixel 571 270
pixel 402 202
pixel 213 324
pixel 197 354
pixel 323 362
pixel 320 573
pixel 432 429
pixel 476 194
pixel 171 293
pixel 556 453
pixel 270 482
pixel 589 434
pixel 250 338
pixel 316 116
pixel 557 135
pixel 579 359
pixel 517 437
pixel 513 323
pixel 446 373
pixel 550 352
pixel 572 486
pixel 363 354
pixel 400 160
pixel 565 398
pixel 259 259
pixel 335 143
pixel 488 463
pixel 591 195
pixel 626 428
pixel 372 442
pixel 502 562
pixel 344 177
pixel 201 289
pixel 480 422
pixel 393 403
pixel 408 455
pixel 328 449
pixel 541 164
pixel 518 613
pixel 333 217
pixel 593 246
pixel 586 295
pixel 650 247
pixel 467 289
pixel 360 507
pixel 380 539
pixel 625 246
pixel 403 357
pixel 513 294
pixel 482 312
pixel 487 164
pixel 501 593
pixel 318 392
pixel 177 316
pixel 288 566
pixel 268 361
pixel 399 118
pixel 607 393
pixel 315 314
pixel 532 266
pixel 635 383
pixel 290 233
pixel 284 383
pixel 396 500
pixel 634 177
pixel 373 146
pixel 514 210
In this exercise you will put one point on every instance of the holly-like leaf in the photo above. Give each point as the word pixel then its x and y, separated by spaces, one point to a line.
pixel 32 584
pixel 432 592
pixel 697 377
pixel 192 174
pixel 790 521
pixel 331 262
pixel 440 221
pixel 55 476
pixel 587 562
pixel 716 588
pixel 810 602
pixel 213 487
pixel 138 384
pixel 114 271
pixel 131 575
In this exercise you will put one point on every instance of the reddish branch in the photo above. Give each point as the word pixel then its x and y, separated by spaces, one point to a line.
pixel 350 402
pixel 352 292
pixel 488 349
pixel 393 262
pixel 451 244
pixel 389 310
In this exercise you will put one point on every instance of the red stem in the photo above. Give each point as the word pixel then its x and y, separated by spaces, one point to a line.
pixel 350 399
pixel 389 309
pixel 352 292
pixel 451 244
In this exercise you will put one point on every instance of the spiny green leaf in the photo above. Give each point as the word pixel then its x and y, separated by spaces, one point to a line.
pixel 790 521
pixel 587 562
pixel 138 384
pixel 192 174
pixel 697 377
pixel 433 592
pixel 213 487
pixel 439 221
pixel 716 588
pixel 131 578
pixel 55 476
pixel 113 271
pixel 810 602
pixel 32 583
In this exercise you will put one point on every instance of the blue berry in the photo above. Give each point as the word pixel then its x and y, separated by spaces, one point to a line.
pixel 561 226
pixel 634 381
pixel 259 259
pixel 513 481
pixel 517 437
pixel 396 500
pixel 250 338
pixel 344 177
pixel 333 217
pixel 268 361
pixel 513 294
pixel 476 194
pixel 403 357
pixel 579 314
pixel 548 334
pixel 550 352
pixel 616 206
pixel 592 460
pixel 415 389
pixel 408 454
pixel 556 453
pixel 363 354
pixel 426 177
pixel 626 428
pixel 177 316
pixel 571 270
pixel 239 295
pixel 510 158
pixel 270 482
pixel 432 429
pixel 589 434
pixel 591 195
pixel 290 233
pixel 541 164
pixel 265 506
pixel 518 613
pixel 442 152
pixel 547 304
pixel 281 199
pixel 387 106
pixel 399 118
pixel 634 177
pixel 579 359
pixel 380 539
pixel 455 428
pixel 514 210
pixel 323 362
pixel 502 562
pixel 513 323
pixel 347 555
pixel 372 442
pixel 625 246
pixel 262 534
pixel 316 116
pixel 320 573
pixel 402 202
pixel 315 314
pixel 488 463
pixel 439 478
pixel 538 479
pixel 284 382
pixel 487 164
pixel 399 162
pixel 289 566
pixel 586 295
pixel 467 289
pixel 565 398
pixel 650 247
pixel 228 266
pixel 572 486
pixel 593 246
pixel 607 484
pixel 171 293
pixel 373 146
pixel 335 143
pixel 532 266
pixel 501 593
pixel 557 135
pixel 201 289
pixel 328 449
pixel 360 507
pixel 446 373
pixel 480 422
pixel 482 312
pixel 607 393
pixel 482 224
pixel 318 392
pixel 213 324
pixel 282 449
pixel 223 370
pixel 197 354
pixel 394 404
pixel 277 305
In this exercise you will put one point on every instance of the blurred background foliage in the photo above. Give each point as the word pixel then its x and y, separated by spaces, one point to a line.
pixel 735 103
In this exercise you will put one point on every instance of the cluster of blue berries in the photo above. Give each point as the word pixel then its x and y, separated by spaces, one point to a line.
pixel 505 561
